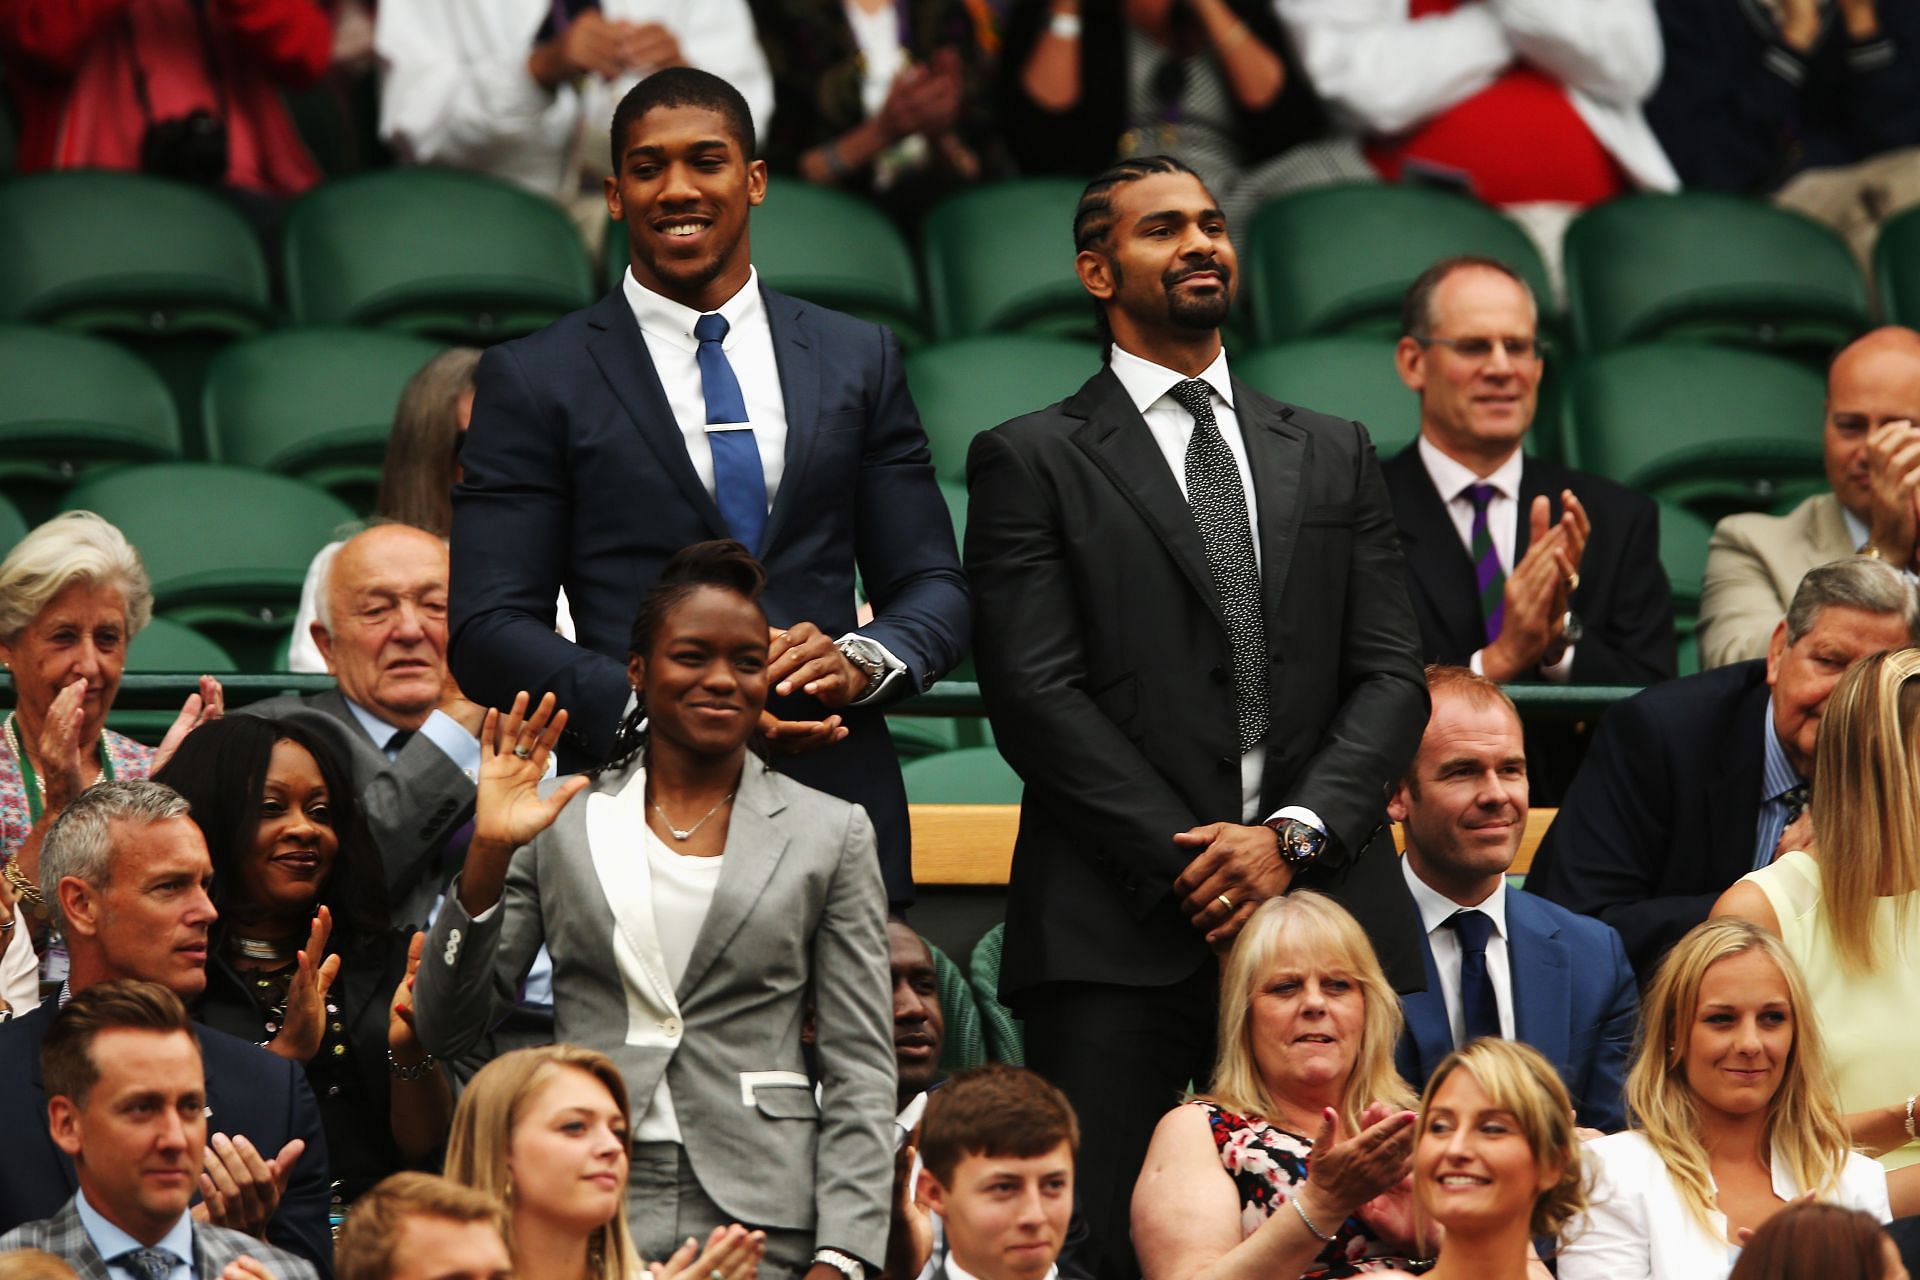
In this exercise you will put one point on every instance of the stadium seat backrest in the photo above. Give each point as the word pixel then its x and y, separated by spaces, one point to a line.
pixel 313 403
pixel 122 251
pixel 166 645
pixel 1683 554
pixel 453 255
pixel 1340 259
pixel 971 775
pixel 13 527
pixel 68 400
pixel 1713 428
pixel 966 387
pixel 1006 1038
pixel 999 259
pixel 1896 269
pixel 1348 377
pixel 1710 267
pixel 965 1043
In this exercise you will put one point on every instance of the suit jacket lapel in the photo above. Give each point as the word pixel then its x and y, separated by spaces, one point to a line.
pixel 621 353
pixel 755 843
pixel 1734 798
pixel 71 1241
pixel 1428 1031
pixel 1116 438
pixel 1541 980
pixel 800 388
pixel 1442 574
pixel 1277 458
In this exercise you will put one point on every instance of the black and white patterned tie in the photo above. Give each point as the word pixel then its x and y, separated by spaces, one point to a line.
pixel 1220 510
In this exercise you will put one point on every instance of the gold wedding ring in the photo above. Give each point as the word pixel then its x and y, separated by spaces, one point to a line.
pixel 1573 580
pixel 1225 901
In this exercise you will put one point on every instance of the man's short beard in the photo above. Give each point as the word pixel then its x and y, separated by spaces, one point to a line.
pixel 1203 313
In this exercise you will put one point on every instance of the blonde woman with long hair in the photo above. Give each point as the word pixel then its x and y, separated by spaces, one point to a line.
pixel 1497 1161
pixel 1733 1117
pixel 1308 1023
pixel 546 1130
pixel 1846 908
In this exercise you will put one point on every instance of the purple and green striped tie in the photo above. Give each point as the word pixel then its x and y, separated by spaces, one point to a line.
pixel 1488 576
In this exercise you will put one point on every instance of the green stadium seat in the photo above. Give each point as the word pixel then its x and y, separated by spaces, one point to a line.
pixel 999 259
pixel 917 737
pixel 70 404
pixel 454 256
pixel 167 646
pixel 1714 429
pixel 169 269
pixel 1710 268
pixel 1683 553
pixel 966 387
pixel 1339 259
pixel 965 1042
pixel 1896 269
pixel 316 404
pixel 830 247
pixel 227 548
pixel 13 527
pixel 1348 377
pixel 971 775
pixel 1006 1040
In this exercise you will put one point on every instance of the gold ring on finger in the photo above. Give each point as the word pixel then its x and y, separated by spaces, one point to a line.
pixel 1573 580
pixel 1225 901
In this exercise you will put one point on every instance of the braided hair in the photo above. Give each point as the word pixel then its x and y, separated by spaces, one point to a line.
pixel 723 563
pixel 1093 218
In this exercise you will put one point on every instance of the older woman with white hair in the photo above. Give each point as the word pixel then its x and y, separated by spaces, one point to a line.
pixel 73 593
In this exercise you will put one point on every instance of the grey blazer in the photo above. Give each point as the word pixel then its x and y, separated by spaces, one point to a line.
pixel 799 912
pixel 411 803
pixel 65 1236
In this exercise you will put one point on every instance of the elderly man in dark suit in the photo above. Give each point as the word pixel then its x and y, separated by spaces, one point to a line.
pixel 1694 783
pixel 127 1103
pixel 1520 569
pixel 1196 649
pixel 130 872
pixel 695 403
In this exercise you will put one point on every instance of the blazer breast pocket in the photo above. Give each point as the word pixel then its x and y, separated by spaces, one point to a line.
pixel 1328 515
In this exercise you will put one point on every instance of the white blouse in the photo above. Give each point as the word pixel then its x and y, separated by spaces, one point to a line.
pixel 1639 1228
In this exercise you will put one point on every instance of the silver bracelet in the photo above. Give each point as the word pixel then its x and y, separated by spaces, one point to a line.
pixel 1300 1209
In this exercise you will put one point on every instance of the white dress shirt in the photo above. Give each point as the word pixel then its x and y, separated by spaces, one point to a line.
pixel 1452 480
pixel 1435 910
pixel 19 970
pixel 110 1242
pixel 1147 384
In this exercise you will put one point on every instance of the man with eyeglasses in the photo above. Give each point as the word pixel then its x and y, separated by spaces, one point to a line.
pixel 1520 568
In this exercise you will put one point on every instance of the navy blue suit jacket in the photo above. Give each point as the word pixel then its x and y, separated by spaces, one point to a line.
pixel 1574 999
pixel 577 476
pixel 249 1091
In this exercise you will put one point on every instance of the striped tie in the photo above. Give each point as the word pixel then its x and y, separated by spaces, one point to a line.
pixel 1488 576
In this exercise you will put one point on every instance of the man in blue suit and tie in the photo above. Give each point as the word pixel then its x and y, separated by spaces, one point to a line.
pixel 693 402
pixel 1500 961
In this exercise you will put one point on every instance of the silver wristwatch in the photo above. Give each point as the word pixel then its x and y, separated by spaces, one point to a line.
pixel 845 1263
pixel 866 656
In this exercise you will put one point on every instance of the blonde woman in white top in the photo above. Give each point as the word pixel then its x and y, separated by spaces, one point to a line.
pixel 1733 1118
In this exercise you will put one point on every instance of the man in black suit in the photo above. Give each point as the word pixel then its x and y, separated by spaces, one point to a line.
pixel 130 872
pixel 1499 583
pixel 1694 783
pixel 695 403
pixel 1195 646
pixel 397 719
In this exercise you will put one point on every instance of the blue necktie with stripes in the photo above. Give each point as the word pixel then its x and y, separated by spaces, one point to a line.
pixel 739 481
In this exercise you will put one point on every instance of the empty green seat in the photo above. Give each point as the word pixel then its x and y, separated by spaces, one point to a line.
pixel 1896 269
pixel 1683 554
pixel 13 527
pixel 965 1042
pixel 966 387
pixel 999 259
pixel 1715 429
pixel 455 256
pixel 70 403
pixel 312 403
pixel 971 775
pixel 830 247
pixel 1711 268
pixel 916 737
pixel 1348 377
pixel 1006 1039
pixel 166 645
pixel 1339 259
pixel 225 547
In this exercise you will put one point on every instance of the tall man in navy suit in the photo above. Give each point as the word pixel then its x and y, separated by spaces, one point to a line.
pixel 694 403
pixel 1499 960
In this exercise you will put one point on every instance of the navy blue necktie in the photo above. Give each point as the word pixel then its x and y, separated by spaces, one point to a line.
pixel 1479 1013
pixel 739 481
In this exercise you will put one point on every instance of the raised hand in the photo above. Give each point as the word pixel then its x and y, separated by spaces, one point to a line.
pixel 60 750
pixel 305 1022
pixel 210 703
pixel 239 1189
pixel 1349 1172
pixel 401 1040
pixel 508 809
pixel 731 1253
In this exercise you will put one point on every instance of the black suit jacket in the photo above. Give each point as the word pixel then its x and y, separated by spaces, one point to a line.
pixel 1661 818
pixel 249 1091
pixel 1105 663
pixel 576 475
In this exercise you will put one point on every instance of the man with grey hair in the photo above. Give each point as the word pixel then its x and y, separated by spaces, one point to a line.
pixel 128 872
pixel 1694 783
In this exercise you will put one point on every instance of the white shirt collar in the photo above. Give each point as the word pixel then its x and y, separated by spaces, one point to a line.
pixel 661 317
pixel 910 1114
pixel 1436 908
pixel 1450 477
pixel 1146 381
pixel 110 1241
pixel 957 1272
pixel 377 729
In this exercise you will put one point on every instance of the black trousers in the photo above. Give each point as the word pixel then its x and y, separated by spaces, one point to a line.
pixel 1124 1056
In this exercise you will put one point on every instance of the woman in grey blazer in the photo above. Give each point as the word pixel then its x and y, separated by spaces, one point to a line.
pixel 692 954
